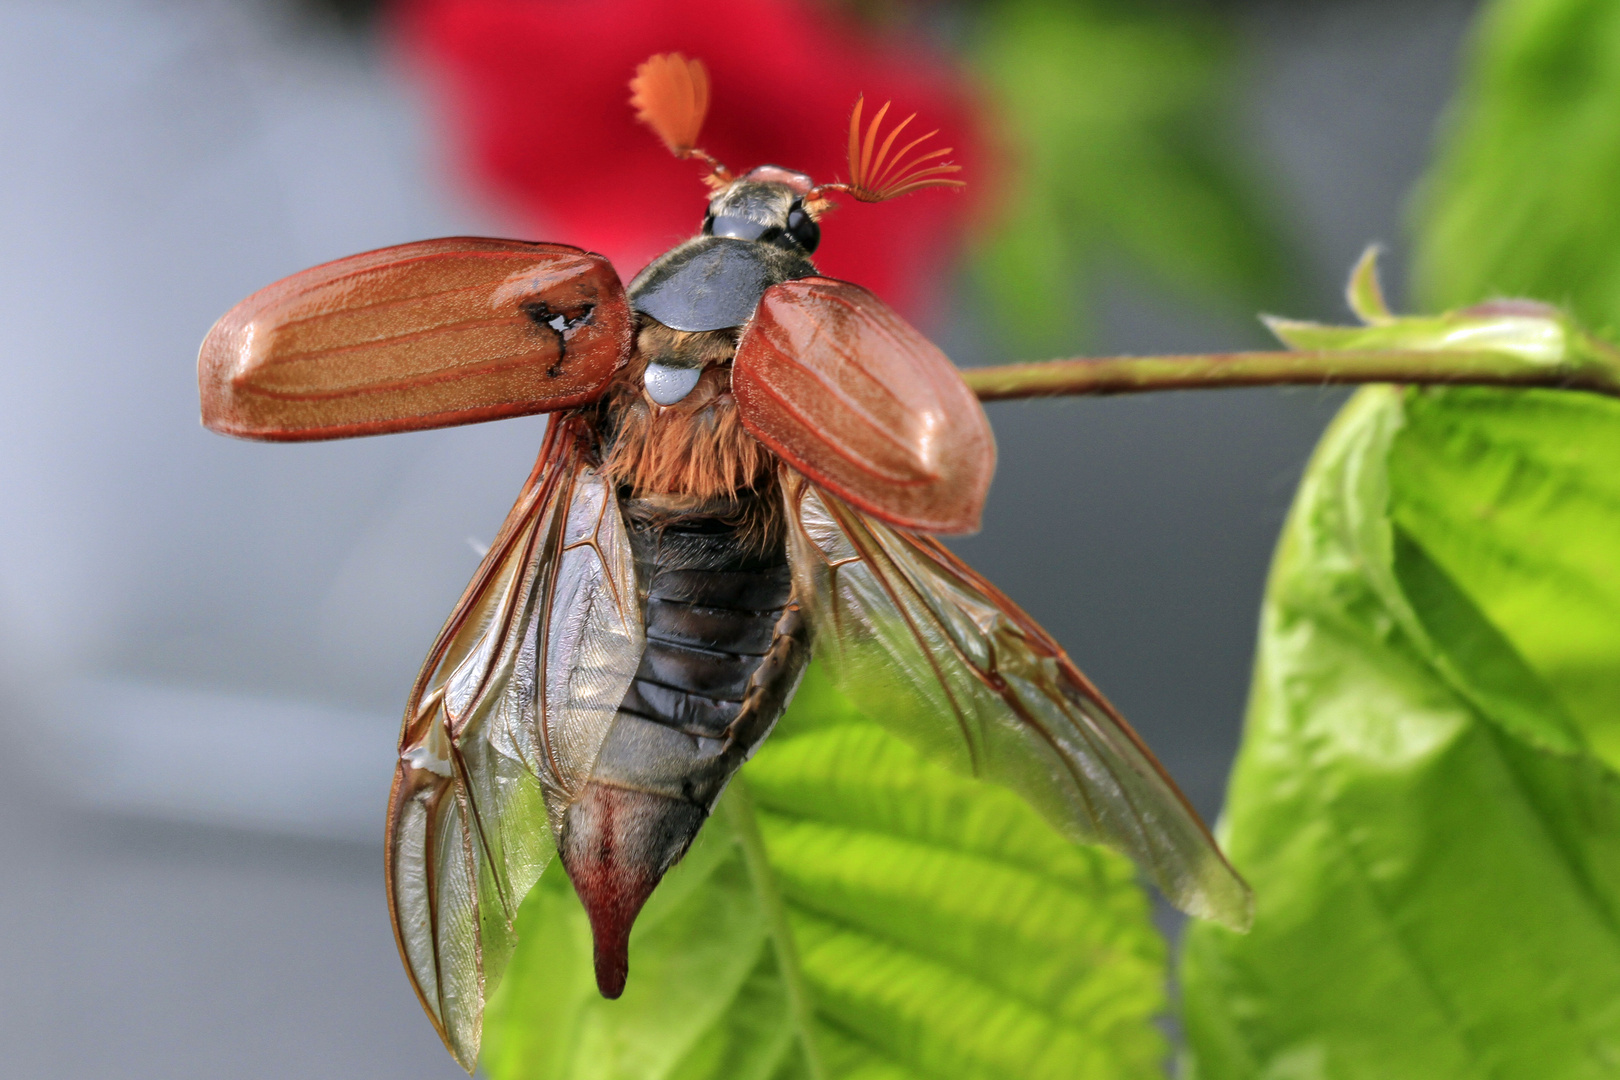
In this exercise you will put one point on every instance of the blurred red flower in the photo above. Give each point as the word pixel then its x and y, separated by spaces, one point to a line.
pixel 537 93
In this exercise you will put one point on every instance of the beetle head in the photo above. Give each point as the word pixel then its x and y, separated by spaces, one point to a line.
pixel 767 204
pixel 771 204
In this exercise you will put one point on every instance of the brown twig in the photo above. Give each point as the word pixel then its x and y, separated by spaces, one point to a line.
pixel 1594 371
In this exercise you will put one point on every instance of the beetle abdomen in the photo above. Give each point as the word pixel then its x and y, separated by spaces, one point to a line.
pixel 725 650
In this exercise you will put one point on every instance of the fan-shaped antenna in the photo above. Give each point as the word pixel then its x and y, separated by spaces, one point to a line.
pixel 875 174
pixel 671 95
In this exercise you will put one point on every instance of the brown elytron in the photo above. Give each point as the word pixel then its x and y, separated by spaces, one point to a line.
pixel 420 335
pixel 847 393
pixel 743 460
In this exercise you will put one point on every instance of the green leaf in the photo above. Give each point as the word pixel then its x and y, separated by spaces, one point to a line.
pixel 1426 803
pixel 927 925
pixel 1517 498
pixel 1538 335
pixel 1522 200
pixel 1492 343
pixel 1120 144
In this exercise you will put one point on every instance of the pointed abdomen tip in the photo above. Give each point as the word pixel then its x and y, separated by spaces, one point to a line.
pixel 612 965
pixel 616 845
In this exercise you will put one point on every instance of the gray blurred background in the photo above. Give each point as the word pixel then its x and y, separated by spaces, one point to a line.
pixel 207 643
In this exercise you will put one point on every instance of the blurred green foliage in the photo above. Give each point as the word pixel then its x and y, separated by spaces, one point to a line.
pixel 1122 143
pixel 941 929
pixel 1426 802
pixel 1522 199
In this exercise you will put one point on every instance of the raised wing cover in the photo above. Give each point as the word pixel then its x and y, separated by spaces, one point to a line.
pixel 422 335
pixel 853 397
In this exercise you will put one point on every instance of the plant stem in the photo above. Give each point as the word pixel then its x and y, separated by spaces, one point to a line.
pixel 738 808
pixel 1318 367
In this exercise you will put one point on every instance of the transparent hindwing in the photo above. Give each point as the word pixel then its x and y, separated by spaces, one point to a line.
pixel 502 729
pixel 940 656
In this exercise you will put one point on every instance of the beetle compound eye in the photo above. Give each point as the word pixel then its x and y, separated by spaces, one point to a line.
pixel 666 385
pixel 803 228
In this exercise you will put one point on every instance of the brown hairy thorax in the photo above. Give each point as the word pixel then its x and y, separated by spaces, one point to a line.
pixel 696 449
